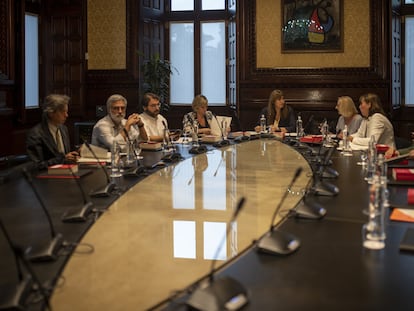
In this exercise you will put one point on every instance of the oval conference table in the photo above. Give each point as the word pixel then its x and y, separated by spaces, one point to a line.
pixel 161 235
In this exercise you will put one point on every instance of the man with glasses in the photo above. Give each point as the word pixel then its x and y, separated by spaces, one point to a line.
pixel 154 123
pixel 114 126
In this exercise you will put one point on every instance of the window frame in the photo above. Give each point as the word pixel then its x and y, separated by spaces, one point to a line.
pixel 406 10
pixel 197 17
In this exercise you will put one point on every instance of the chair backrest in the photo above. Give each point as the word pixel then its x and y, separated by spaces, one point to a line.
pixel 83 131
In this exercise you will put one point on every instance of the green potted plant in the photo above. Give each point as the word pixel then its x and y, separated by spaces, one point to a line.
pixel 156 78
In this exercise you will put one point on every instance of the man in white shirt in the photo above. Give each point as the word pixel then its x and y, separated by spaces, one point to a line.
pixel 154 122
pixel 114 126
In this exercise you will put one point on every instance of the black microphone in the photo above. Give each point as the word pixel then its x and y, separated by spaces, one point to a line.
pixel 243 137
pixel 138 169
pixel 224 293
pixel 76 214
pixel 274 241
pixel 110 186
pixel 50 251
pixel 222 142
pixel 16 297
pixel 308 209
pixel 308 124
pixel 320 186
pixel 174 155
pixel 196 148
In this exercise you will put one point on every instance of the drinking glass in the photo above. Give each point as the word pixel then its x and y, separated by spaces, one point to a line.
pixel 363 155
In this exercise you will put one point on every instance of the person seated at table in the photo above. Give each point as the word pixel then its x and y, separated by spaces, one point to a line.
pixel 279 115
pixel 375 123
pixel 48 142
pixel 349 116
pixel 201 118
pixel 392 152
pixel 154 122
pixel 114 126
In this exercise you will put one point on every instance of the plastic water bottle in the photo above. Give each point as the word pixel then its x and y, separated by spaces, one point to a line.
pixel 299 127
pixel 346 148
pixel 374 231
pixel 263 124
pixel 115 160
pixel 372 159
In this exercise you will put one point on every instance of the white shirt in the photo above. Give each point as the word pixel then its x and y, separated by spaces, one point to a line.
pixel 378 126
pixel 154 126
pixel 106 131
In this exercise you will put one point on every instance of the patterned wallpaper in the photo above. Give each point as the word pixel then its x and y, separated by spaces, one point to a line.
pixel 356 39
pixel 106 34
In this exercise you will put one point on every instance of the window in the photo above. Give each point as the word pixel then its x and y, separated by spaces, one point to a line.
pixel 197 45
pixel 409 60
pixel 31 61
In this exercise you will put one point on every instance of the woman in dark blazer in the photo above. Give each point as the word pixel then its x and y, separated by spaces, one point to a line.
pixel 279 116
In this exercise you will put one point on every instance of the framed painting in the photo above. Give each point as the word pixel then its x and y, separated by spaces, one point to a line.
pixel 312 26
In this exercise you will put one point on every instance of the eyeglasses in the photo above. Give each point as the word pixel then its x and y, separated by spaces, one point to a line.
pixel 116 108
pixel 155 105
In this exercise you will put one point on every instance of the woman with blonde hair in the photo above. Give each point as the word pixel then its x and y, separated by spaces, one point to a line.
pixel 278 114
pixel 349 116
pixel 201 117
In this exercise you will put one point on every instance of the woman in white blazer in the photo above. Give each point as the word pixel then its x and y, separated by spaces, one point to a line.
pixel 375 123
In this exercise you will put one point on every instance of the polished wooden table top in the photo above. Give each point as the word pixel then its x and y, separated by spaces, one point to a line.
pixel 161 235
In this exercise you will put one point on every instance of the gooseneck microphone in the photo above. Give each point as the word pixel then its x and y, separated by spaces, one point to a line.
pixel 138 170
pixel 239 126
pixel 174 155
pixel 110 186
pixel 195 149
pixel 322 187
pixel 308 124
pixel 76 214
pixel 308 209
pixel 51 250
pixel 276 242
pixel 224 293
pixel 17 298
pixel 222 142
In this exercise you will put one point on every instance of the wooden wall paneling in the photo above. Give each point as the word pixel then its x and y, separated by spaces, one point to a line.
pixel 7 74
pixel 100 84
pixel 310 89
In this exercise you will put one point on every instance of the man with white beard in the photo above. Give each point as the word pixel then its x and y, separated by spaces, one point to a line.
pixel 114 126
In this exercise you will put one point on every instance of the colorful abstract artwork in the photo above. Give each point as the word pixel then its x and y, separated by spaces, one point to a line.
pixel 312 26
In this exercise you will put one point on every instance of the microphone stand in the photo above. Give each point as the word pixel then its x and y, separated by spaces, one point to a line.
pixel 196 147
pixel 223 142
pixel 224 293
pixel 243 137
pixel 50 251
pixel 17 299
pixel 76 214
pixel 320 186
pixel 308 209
pixel 138 170
pixel 110 186
pixel 274 241
pixel 174 155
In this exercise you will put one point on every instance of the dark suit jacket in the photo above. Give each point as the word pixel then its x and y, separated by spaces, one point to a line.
pixel 289 123
pixel 41 146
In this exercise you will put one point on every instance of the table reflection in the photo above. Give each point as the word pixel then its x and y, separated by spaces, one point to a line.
pixel 162 234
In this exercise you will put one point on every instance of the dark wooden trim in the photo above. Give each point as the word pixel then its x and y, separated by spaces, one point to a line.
pixel 376 75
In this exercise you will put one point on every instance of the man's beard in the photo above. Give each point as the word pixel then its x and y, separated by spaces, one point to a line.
pixel 153 114
pixel 117 118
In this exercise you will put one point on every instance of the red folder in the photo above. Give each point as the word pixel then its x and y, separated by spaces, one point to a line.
pixel 410 196
pixel 403 174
